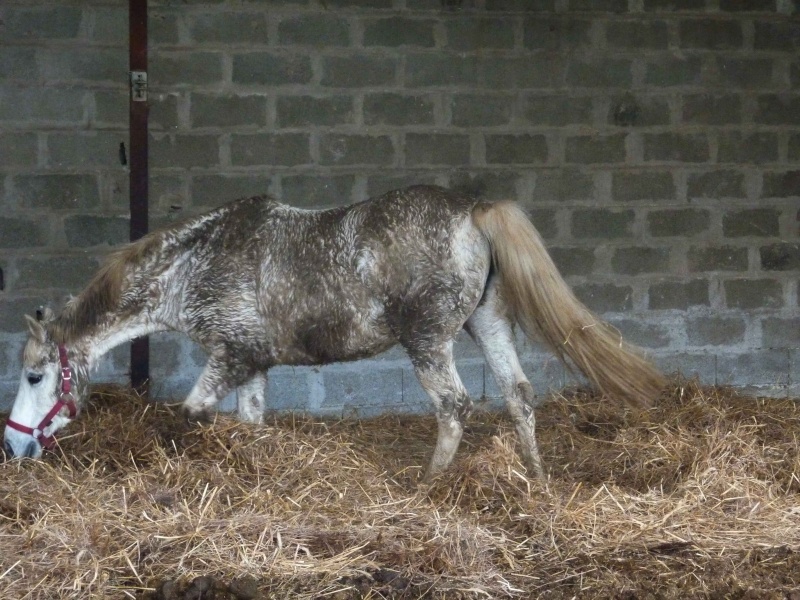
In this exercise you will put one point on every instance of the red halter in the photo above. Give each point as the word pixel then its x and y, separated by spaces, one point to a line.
pixel 65 398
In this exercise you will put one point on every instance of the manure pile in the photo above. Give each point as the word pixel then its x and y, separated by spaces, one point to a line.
pixel 701 499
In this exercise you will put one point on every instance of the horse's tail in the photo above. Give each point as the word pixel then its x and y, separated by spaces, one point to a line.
pixel 544 306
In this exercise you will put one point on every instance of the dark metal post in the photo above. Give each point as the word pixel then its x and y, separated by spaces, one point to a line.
pixel 137 27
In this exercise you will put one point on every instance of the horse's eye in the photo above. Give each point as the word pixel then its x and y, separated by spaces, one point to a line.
pixel 34 378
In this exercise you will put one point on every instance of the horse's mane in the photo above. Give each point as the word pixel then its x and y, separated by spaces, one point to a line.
pixel 87 311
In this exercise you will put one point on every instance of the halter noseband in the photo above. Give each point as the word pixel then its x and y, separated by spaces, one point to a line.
pixel 65 398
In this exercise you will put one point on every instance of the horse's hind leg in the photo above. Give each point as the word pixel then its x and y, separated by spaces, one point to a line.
pixel 250 399
pixel 491 329
pixel 436 371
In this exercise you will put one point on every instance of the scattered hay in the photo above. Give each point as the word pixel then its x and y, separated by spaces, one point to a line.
pixel 698 500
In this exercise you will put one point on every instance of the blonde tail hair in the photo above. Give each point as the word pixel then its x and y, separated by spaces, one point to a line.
pixel 545 307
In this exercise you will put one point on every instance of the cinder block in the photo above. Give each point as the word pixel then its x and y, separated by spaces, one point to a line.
pixel 18 149
pixel 777 109
pixel 383 4
pixel 215 190
pixel 563 184
pixel 794 147
pixel 481 110
pixel 18 62
pixel 227 27
pixel 55 23
pixel 162 27
pixel 516 149
pixel 645 34
pixel 386 181
pixel 187 151
pixel 700 365
pixel 356 149
pixel 710 34
pixel 43 106
pixel 194 68
pixel 573 261
pixel 678 295
pixel 520 5
pixel 315 191
pixel 112 108
pixel 781 184
pixel 324 29
pixel 715 331
pixel 440 69
pixel 753 368
pixel 62 272
pixel 612 72
pixel 744 73
pixel 534 72
pixel 288 389
pixel 748 5
pixel 85 149
pixel 639 260
pixel 228 111
pixel 56 192
pixel 721 258
pixel 398 109
pixel 285 149
pixel 631 111
pixel 596 149
pixel 359 70
pixel 88 230
pixel 609 6
pixel 163 113
pixel 437 149
pixel 776 35
pixel 794 75
pixel 471 33
pixel 114 367
pixel 761 222
pixel 712 109
pixel 716 184
pixel 485 185
pixel 557 110
pixel 644 185
pixel 602 223
pixel 674 71
pixel 14 308
pixel 399 31
pixel 749 294
pixel 757 148
pixel 605 297
pixel 302 111
pixel 110 24
pixel 679 222
pixel 269 68
pixel 676 147
pixel 643 334
pixel 783 256
pixel 670 5
pixel 356 388
pixel 778 332
pixel 556 33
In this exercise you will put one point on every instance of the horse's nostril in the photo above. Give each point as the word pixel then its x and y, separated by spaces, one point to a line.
pixel 9 450
pixel 30 449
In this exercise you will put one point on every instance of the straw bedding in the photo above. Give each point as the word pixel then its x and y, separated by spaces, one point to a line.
pixel 698 499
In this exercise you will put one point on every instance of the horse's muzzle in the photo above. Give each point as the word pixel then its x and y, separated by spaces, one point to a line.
pixel 21 448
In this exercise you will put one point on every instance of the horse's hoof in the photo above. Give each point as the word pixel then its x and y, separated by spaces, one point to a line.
pixel 201 416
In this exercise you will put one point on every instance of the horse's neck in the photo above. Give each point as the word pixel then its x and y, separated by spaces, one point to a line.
pixel 92 347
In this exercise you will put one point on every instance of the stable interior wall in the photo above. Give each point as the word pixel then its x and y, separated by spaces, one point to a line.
pixel 654 143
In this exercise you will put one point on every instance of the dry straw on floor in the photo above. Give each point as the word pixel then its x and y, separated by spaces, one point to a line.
pixel 699 500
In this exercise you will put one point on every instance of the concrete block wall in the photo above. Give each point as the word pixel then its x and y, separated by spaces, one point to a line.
pixel 655 144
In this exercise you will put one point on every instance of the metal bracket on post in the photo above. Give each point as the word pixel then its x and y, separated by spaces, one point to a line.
pixel 139 86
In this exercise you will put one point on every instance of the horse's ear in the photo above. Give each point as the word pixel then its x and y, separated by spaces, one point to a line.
pixel 36 329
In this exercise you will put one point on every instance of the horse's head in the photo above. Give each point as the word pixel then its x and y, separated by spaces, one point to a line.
pixel 45 400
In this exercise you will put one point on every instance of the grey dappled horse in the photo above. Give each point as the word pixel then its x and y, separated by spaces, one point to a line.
pixel 257 283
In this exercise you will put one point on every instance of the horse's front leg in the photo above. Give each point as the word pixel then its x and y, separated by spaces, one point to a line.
pixel 250 399
pixel 217 380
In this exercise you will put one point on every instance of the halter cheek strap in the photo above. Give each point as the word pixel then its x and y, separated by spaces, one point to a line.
pixel 65 399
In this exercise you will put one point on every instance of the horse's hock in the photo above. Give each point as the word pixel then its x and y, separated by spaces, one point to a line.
pixel 657 151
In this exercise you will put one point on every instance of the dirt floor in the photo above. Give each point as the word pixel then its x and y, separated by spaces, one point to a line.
pixel 698 498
